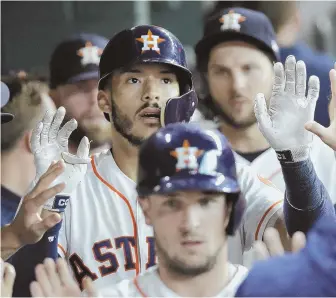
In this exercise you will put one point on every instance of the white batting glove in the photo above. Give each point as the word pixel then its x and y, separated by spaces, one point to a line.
pixel 50 143
pixel 282 124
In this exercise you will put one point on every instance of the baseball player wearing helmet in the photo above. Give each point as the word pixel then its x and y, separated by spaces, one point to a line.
pixel 145 84
pixel 235 58
pixel 189 193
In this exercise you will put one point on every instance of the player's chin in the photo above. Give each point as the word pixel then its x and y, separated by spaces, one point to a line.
pixel 148 128
pixel 194 262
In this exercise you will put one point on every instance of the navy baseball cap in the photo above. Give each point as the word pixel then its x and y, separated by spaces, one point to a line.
pixel 5 117
pixel 238 24
pixel 76 59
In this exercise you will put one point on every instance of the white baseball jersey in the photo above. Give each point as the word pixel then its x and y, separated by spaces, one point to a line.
pixel 104 233
pixel 322 157
pixel 149 284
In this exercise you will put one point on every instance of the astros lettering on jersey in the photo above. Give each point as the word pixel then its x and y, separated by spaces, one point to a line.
pixel 104 234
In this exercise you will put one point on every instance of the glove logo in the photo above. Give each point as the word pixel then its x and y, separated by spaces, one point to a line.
pixel 285 156
pixel 150 42
pixel 231 21
pixel 60 203
pixel 90 54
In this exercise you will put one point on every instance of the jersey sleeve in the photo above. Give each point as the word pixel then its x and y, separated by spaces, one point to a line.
pixel 263 204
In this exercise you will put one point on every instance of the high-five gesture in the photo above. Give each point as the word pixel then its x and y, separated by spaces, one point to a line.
pixel 49 142
pixel 29 225
pixel 282 124
pixel 327 134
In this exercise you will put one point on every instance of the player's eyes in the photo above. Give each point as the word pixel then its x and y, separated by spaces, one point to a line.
pixel 167 81
pixel 205 202
pixel 173 204
pixel 133 81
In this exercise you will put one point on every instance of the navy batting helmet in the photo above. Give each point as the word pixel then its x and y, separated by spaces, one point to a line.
pixel 152 44
pixel 182 157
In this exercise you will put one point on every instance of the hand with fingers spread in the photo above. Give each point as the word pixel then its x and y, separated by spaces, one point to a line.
pixel 282 124
pixel 49 143
pixel 271 245
pixel 327 134
pixel 8 274
pixel 28 227
pixel 55 280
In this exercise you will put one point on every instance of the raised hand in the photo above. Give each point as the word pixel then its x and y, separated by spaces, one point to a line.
pixel 327 134
pixel 29 225
pixel 49 142
pixel 55 280
pixel 282 124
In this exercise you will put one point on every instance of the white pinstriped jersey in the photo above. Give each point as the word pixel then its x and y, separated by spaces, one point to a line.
pixel 149 284
pixel 104 233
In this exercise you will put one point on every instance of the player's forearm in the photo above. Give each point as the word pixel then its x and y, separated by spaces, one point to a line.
pixel 9 242
pixel 26 259
pixel 306 198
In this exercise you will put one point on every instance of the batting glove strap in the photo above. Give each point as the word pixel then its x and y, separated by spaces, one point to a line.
pixel 58 203
pixel 293 155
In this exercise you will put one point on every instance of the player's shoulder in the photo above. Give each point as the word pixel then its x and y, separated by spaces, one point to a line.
pixel 241 272
pixel 121 289
pixel 101 163
pixel 249 177
pixel 237 275
pixel 255 188
pixel 98 159
pixel 135 287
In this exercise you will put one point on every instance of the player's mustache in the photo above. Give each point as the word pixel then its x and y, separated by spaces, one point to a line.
pixel 147 105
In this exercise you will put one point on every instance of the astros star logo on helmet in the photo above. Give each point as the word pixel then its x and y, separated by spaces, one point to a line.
pixel 186 156
pixel 231 21
pixel 90 54
pixel 150 42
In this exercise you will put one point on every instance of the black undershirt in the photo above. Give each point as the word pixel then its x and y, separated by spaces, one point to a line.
pixel 251 156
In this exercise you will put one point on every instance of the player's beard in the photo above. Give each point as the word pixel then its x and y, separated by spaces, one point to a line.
pixel 179 267
pixel 123 125
pixel 226 117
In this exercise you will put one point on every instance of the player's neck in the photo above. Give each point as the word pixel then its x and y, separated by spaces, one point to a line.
pixel 125 156
pixel 12 176
pixel 208 284
pixel 244 140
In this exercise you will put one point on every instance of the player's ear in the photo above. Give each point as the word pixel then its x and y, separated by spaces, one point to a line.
pixel 104 102
pixel 228 210
pixel 145 204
